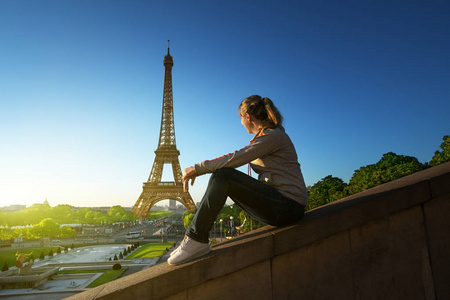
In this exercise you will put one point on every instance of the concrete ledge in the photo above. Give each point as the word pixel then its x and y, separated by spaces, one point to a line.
pixel 388 242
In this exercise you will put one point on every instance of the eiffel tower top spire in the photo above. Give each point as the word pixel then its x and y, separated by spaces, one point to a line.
pixel 167 133
pixel 168 61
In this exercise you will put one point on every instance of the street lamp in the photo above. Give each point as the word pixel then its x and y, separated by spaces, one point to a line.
pixel 221 229
pixel 231 226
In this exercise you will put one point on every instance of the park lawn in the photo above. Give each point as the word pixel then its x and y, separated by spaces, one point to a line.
pixel 107 276
pixel 150 250
pixel 153 215
pixel 9 256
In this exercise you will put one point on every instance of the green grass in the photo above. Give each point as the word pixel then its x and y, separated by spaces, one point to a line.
pixel 153 215
pixel 9 256
pixel 150 250
pixel 107 276
pixel 82 271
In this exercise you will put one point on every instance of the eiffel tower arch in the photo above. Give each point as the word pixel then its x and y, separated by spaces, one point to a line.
pixel 155 190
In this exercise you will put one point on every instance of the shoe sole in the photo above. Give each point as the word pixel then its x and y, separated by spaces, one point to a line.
pixel 204 252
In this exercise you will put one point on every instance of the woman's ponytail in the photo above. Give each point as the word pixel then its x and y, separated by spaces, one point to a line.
pixel 263 110
pixel 273 115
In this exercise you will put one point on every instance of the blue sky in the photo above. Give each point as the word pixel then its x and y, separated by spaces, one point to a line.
pixel 81 87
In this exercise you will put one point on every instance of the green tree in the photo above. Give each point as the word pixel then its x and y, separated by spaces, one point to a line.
pixel 248 223
pixel 187 218
pixel 47 228
pixel 89 217
pixel 79 216
pixel 325 191
pixel 391 166
pixel 444 155
pixel 60 213
pixel 67 232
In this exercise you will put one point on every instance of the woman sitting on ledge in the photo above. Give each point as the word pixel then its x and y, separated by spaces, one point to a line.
pixel 277 198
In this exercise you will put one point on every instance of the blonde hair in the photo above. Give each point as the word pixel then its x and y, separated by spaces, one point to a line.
pixel 263 110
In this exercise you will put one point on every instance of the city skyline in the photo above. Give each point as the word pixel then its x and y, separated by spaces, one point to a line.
pixel 81 94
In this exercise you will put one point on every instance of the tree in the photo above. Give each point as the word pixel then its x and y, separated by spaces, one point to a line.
pixel 47 228
pixel 444 155
pixel 325 191
pixel 60 213
pixel 115 213
pixel 391 166
pixel 188 216
pixel 67 232
pixel 248 223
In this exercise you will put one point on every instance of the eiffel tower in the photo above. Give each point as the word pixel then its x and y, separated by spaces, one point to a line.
pixel 154 189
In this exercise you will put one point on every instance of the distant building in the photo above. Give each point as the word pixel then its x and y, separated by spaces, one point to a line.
pixel 157 207
pixel 12 208
pixel 172 204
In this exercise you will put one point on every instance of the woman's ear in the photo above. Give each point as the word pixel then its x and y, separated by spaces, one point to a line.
pixel 248 117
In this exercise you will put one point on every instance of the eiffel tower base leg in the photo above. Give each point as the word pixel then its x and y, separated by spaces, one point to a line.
pixel 152 194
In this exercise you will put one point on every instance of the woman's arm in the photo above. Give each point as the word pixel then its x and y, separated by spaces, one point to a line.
pixel 263 145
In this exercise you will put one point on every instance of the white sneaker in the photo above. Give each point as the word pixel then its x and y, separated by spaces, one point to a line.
pixel 178 248
pixel 188 250
pixel 174 251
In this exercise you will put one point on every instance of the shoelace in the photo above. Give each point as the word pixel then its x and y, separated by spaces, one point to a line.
pixel 185 241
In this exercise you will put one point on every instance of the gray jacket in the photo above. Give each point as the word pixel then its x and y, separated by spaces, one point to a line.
pixel 272 156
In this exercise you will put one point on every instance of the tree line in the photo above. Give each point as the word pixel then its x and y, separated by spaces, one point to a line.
pixel 41 220
pixel 65 214
pixel 390 167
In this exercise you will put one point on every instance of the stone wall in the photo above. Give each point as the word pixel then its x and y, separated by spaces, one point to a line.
pixel 388 242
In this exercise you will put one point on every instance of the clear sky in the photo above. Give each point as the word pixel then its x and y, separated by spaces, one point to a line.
pixel 81 87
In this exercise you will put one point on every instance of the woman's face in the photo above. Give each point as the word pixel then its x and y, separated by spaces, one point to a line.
pixel 246 121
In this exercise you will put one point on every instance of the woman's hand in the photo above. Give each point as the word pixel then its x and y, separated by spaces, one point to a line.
pixel 189 174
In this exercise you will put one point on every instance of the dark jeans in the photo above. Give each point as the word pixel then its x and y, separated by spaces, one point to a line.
pixel 260 200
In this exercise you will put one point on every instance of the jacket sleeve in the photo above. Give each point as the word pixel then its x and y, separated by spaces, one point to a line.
pixel 259 147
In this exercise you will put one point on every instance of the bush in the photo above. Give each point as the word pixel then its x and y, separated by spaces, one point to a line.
pixel 42 256
pixel 116 267
pixel 5 268
pixel 115 257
